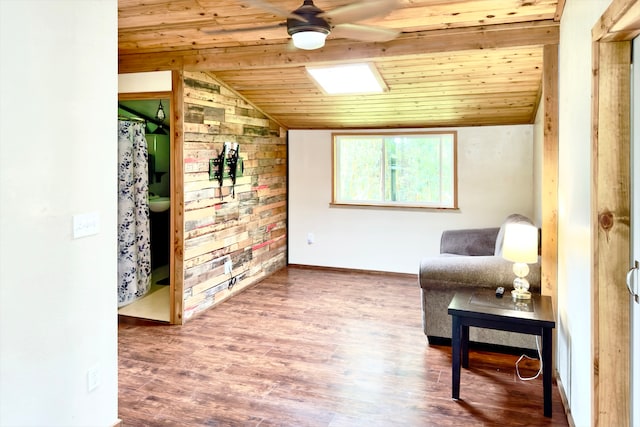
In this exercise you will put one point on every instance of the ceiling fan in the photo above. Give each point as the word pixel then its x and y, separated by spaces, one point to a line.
pixel 309 25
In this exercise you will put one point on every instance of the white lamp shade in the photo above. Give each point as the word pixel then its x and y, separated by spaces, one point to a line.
pixel 308 40
pixel 520 243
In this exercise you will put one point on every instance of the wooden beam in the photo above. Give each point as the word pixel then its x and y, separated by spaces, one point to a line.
pixel 535 33
pixel 611 234
pixel 161 61
pixel 559 10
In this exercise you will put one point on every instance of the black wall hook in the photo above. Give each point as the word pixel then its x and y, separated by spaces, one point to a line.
pixel 232 161
pixel 216 169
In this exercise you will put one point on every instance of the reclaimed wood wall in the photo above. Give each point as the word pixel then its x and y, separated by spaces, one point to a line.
pixel 249 227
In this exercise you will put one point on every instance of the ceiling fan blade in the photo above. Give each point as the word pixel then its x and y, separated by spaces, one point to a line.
pixel 268 7
pixel 364 33
pixel 359 11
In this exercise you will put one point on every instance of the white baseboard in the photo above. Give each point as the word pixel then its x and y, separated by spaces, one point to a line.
pixel 565 401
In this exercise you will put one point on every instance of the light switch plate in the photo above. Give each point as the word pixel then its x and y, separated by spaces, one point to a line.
pixel 86 224
pixel 93 378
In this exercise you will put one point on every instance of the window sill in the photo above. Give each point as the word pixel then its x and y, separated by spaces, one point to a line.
pixel 394 206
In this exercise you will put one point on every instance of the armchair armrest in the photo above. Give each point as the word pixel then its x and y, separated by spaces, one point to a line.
pixel 460 272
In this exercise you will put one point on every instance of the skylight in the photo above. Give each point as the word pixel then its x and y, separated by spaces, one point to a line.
pixel 348 79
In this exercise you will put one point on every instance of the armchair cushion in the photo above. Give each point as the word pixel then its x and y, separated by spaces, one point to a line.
pixel 475 241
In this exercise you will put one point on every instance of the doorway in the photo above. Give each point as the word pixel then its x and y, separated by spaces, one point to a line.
pixel 635 230
pixel 155 110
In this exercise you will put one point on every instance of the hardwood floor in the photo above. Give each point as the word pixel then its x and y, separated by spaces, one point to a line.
pixel 311 347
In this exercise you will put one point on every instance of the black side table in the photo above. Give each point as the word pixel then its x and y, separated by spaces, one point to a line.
pixel 482 309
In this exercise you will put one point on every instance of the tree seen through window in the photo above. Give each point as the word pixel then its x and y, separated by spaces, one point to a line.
pixel 389 169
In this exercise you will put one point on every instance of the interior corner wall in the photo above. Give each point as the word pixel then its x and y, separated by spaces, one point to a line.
pixel 574 325
pixel 245 223
pixel 58 158
pixel 495 179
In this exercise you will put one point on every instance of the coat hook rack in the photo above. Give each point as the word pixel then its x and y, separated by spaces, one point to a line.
pixel 229 156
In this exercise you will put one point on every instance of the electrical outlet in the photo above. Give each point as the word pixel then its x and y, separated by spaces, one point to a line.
pixel 93 378
pixel 228 266
pixel 311 238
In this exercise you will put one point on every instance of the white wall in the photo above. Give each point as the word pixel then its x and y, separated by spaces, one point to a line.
pixel 574 219
pixel 538 158
pixel 495 179
pixel 58 157
pixel 153 81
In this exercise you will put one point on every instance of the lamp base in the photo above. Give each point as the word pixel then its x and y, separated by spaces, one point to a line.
pixel 520 294
pixel 520 284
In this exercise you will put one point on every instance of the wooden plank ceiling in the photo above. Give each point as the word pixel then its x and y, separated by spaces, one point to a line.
pixel 456 62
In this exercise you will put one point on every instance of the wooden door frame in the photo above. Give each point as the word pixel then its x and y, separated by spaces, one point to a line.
pixel 177 197
pixel 176 185
pixel 610 212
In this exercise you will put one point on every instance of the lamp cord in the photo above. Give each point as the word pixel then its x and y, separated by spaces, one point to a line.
pixel 530 358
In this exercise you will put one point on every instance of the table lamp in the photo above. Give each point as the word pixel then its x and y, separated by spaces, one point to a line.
pixel 520 246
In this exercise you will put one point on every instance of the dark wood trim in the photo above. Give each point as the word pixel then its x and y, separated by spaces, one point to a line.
pixel 136 96
pixel 139 321
pixel 354 270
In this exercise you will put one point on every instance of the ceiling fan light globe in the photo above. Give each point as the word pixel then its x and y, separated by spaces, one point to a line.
pixel 309 40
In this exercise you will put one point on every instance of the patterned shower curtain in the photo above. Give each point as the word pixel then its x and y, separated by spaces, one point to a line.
pixel 134 243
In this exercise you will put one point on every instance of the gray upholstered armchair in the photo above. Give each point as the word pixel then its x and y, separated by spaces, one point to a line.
pixel 470 259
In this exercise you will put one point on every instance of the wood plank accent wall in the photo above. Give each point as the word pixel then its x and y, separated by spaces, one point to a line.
pixel 249 227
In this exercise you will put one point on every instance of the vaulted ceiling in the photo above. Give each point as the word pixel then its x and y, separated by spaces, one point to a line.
pixel 455 62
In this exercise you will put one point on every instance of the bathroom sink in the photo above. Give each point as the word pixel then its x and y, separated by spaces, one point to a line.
pixel 159 204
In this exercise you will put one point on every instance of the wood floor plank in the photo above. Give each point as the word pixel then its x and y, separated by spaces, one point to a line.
pixel 314 347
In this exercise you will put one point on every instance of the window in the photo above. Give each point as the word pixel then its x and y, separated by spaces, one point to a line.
pixel 410 170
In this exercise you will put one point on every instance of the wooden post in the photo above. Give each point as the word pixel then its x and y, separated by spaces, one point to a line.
pixel 549 262
pixel 550 174
pixel 610 234
pixel 177 198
